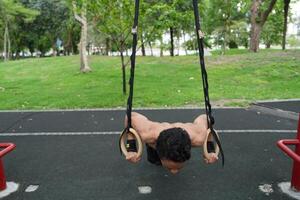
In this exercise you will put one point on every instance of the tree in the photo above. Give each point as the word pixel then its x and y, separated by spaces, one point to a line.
pixel 226 22
pixel 80 6
pixel 297 23
pixel 185 20
pixel 177 15
pixel 221 20
pixel 271 34
pixel 9 11
pixel 293 41
pixel 71 35
pixel 167 17
pixel 239 33
pixel 286 12
pixel 153 22
pixel 114 19
pixel 260 10
pixel 149 25
pixel 48 27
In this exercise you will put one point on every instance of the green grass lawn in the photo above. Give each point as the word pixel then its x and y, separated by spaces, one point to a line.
pixel 235 80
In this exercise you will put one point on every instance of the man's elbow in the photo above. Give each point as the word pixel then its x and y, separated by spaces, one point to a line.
pixel 202 119
pixel 134 116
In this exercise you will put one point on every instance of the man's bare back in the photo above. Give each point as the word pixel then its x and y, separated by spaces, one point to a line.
pixel 150 131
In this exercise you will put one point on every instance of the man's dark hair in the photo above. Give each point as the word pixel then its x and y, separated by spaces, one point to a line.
pixel 174 144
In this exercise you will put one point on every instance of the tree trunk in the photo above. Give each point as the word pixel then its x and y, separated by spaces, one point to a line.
pixel 172 41
pixel 107 46
pixel 226 34
pixel 223 49
pixel 6 43
pixel 255 26
pixel 143 46
pixel 18 52
pixel 68 46
pixel 224 44
pixel 54 54
pixel 178 45
pixel 161 47
pixel 123 71
pixel 268 45
pixel 258 19
pixel 255 35
pixel 151 50
pixel 184 41
pixel 227 22
pixel 84 67
pixel 286 12
pixel 9 45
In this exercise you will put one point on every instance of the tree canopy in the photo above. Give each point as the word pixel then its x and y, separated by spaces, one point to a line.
pixel 43 26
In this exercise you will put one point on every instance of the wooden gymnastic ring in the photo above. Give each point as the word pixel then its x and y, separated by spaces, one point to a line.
pixel 123 139
pixel 217 149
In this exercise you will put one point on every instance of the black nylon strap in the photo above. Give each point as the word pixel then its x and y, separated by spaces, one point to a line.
pixel 132 59
pixel 210 119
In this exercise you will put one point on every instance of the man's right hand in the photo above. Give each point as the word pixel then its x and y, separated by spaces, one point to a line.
pixel 212 158
pixel 133 157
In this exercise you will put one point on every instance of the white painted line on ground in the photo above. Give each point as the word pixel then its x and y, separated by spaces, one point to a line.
pixel 119 132
pixel 266 188
pixel 31 188
pixel 59 134
pixel 145 189
pixel 257 131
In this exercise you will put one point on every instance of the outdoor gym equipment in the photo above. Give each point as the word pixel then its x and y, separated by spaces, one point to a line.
pixel 210 119
pixel 295 155
pixel 5 149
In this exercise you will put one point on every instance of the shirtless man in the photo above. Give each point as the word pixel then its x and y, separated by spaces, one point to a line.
pixel 169 144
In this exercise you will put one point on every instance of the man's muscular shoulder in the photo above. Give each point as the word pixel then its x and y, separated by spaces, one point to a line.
pixel 143 126
pixel 195 132
pixel 149 130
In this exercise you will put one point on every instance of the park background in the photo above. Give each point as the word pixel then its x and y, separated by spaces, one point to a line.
pixel 63 54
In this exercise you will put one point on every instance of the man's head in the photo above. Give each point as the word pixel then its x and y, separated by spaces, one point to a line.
pixel 174 148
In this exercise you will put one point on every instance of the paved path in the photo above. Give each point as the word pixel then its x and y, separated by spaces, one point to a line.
pixel 113 120
pixel 289 105
pixel 88 166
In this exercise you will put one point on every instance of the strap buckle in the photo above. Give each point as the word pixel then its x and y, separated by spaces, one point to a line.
pixel 201 34
pixel 134 30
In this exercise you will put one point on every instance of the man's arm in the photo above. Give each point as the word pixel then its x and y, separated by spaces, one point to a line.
pixel 203 129
pixel 201 124
pixel 202 121
pixel 138 122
